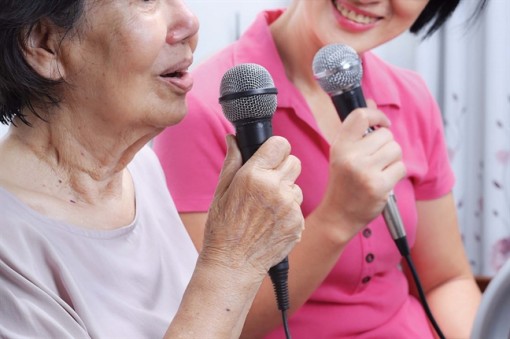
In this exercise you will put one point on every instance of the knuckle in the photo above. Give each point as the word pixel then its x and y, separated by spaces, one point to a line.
pixel 280 142
pixel 398 148
pixel 295 161
pixel 403 169
pixel 363 113
pixel 385 133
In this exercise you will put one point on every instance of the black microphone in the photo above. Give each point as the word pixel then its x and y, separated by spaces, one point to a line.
pixel 248 101
pixel 338 70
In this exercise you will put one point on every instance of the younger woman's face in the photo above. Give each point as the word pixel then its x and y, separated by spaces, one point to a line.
pixel 362 24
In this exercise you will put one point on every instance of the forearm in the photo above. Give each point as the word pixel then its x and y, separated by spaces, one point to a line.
pixel 215 303
pixel 443 267
pixel 454 305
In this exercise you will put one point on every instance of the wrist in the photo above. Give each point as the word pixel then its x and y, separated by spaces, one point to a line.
pixel 338 227
pixel 228 272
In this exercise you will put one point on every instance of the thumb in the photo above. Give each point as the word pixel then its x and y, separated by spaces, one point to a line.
pixel 233 161
pixel 271 153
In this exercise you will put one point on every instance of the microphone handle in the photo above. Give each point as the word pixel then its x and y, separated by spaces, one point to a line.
pixel 345 102
pixel 250 135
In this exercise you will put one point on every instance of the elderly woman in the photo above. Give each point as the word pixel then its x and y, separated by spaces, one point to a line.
pixel 91 244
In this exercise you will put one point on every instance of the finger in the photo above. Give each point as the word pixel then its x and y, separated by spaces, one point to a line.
pixel 361 119
pixel 396 172
pixel 297 193
pixel 289 169
pixel 233 161
pixel 387 154
pixel 271 153
pixel 371 104
pixel 375 140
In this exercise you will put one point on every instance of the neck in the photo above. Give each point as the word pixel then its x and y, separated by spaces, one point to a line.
pixel 296 49
pixel 67 161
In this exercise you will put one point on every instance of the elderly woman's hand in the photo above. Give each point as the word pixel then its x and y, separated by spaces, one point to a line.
pixel 255 218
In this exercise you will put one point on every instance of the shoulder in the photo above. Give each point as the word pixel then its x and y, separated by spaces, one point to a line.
pixel 145 161
pixel 405 97
pixel 386 76
pixel 148 176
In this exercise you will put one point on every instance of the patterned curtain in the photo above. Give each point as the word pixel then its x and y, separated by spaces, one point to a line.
pixel 467 65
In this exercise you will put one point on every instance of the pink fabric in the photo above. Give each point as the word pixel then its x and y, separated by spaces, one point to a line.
pixel 360 298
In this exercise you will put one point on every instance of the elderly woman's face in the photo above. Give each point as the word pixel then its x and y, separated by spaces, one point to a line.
pixel 129 63
pixel 362 24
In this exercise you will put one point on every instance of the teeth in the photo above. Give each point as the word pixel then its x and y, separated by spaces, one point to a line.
pixel 351 15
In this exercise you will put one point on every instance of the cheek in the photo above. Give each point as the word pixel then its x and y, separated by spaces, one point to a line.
pixel 409 10
pixel 142 45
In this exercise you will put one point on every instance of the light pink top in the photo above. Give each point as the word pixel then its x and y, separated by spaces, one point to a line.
pixel 365 295
pixel 62 281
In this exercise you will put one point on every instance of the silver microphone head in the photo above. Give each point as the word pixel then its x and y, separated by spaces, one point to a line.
pixel 337 68
pixel 247 92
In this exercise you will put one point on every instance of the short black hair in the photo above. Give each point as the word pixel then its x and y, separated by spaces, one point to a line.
pixel 436 13
pixel 20 84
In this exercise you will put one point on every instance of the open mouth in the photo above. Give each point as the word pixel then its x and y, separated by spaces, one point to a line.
pixel 354 16
pixel 180 79
pixel 177 74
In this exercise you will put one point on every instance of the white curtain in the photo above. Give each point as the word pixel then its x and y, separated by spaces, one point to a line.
pixel 467 65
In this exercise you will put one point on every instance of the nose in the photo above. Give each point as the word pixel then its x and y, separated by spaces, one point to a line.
pixel 183 24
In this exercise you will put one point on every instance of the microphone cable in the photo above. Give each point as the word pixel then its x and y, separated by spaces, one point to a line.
pixel 279 278
pixel 403 248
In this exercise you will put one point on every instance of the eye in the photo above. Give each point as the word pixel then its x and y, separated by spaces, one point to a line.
pixel 149 2
pixel 149 5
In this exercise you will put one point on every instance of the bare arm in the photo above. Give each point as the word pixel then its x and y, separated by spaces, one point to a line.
pixel 353 198
pixel 443 268
pixel 215 303
pixel 254 221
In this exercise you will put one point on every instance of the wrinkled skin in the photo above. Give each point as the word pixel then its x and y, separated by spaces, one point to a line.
pixel 255 218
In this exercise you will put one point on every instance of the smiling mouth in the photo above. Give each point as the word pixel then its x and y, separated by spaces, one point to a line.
pixel 353 16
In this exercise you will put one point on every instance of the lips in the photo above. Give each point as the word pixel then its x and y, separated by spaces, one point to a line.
pixel 355 15
pixel 178 76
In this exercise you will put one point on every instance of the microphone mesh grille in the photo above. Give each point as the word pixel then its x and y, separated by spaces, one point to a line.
pixel 337 68
pixel 244 77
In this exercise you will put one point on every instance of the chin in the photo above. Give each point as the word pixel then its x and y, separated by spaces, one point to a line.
pixel 174 115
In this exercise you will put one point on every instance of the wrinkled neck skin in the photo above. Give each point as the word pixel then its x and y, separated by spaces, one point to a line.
pixel 71 155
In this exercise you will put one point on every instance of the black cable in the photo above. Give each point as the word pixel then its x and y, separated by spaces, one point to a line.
pixel 279 276
pixel 403 248
pixel 286 324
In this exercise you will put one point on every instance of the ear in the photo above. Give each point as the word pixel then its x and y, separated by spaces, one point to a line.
pixel 42 50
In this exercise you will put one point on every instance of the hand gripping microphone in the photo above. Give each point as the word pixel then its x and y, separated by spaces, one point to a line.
pixel 338 70
pixel 248 101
